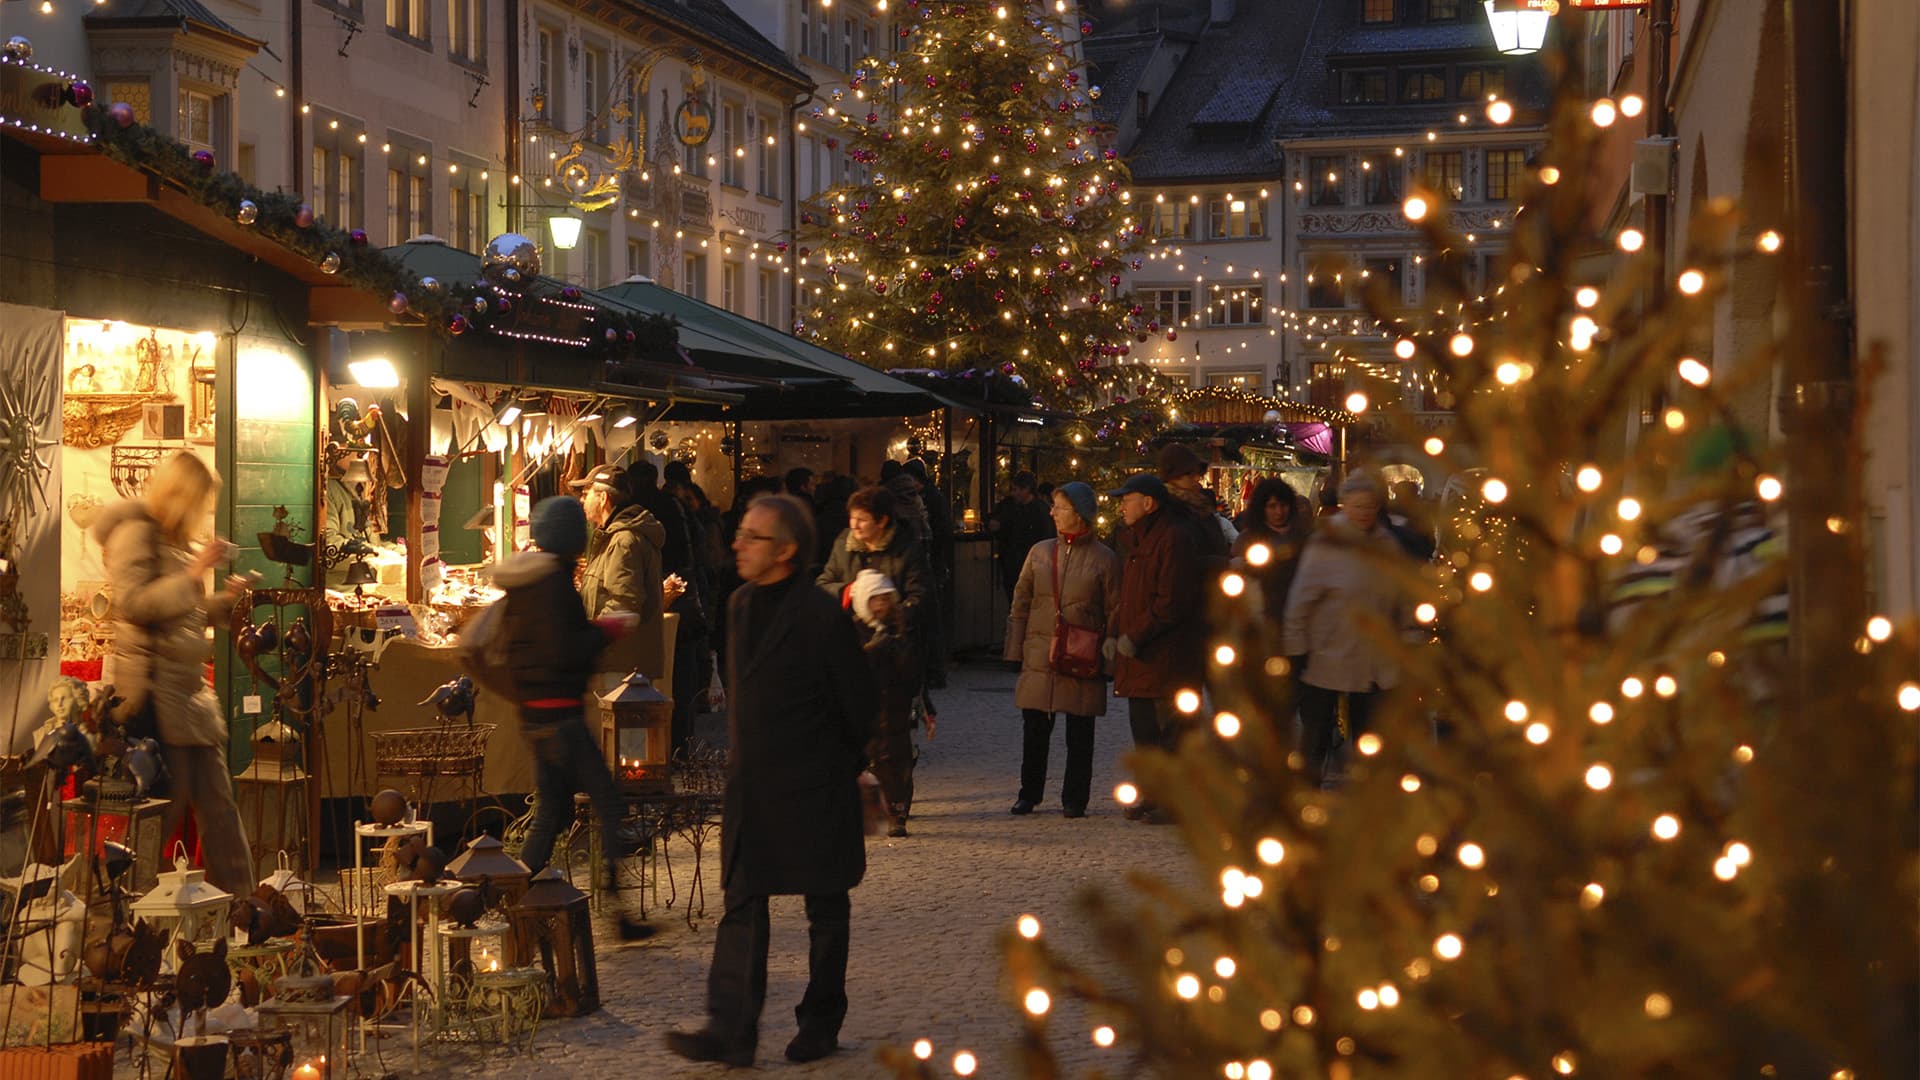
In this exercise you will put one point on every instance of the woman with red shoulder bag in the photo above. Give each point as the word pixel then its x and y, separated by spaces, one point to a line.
pixel 1060 629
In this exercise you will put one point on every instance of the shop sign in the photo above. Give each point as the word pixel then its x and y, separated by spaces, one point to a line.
pixel 693 120
pixel 1605 5
pixel 32 99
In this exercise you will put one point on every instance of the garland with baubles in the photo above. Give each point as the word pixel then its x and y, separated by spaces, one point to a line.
pixel 509 298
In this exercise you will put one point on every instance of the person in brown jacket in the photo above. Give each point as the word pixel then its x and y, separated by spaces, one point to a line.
pixel 1076 576
pixel 162 609
pixel 1160 628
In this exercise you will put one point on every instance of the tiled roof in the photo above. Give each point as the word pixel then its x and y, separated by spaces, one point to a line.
pixel 1116 66
pixel 714 19
pixel 1310 104
pixel 1227 86
pixel 120 12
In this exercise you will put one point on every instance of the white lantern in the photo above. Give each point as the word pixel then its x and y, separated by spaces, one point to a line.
pixel 1520 26
pixel 188 909
pixel 289 884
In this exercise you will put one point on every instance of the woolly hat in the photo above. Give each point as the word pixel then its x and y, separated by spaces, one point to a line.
pixel 559 526
pixel 867 585
pixel 1081 496
pixel 1177 460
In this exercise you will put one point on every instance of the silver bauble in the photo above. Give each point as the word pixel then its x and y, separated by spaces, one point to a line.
pixel 18 49
pixel 431 284
pixel 330 264
pixel 248 212
pixel 658 440
pixel 510 251
pixel 1093 92
pixel 482 305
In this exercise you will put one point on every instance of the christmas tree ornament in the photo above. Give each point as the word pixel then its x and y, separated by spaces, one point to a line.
pixel 357 237
pixel 17 49
pixel 203 158
pixel 509 259
pixel 79 94
pixel 397 303
pixel 121 114
pixel 248 213
pixel 431 285
pixel 330 263
pixel 303 216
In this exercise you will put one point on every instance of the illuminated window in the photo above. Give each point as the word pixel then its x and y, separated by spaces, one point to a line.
pixel 1480 83
pixel 1328 187
pixel 1505 170
pixel 1442 173
pixel 1363 87
pixel 1237 218
pixel 1423 84
pixel 1173 307
pixel 1173 219
pixel 1237 305
pixel 1376 11
pixel 1381 184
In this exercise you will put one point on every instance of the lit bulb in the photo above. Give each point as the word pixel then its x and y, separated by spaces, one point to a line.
pixel 1601 713
pixel 1691 282
pixel 1740 853
pixel 1499 112
pixel 1187 701
pixel 1632 105
pixel 1227 724
pixel 1591 896
pixel 1029 927
pixel 1434 446
pixel 1270 851
pixel 1404 348
pixel 1233 584
pixel 1695 372
pixel 1508 373
pixel 1587 479
pixel 1586 296
pixel 1632 687
pixel 1425 613
pixel 1259 554
pixel 1604 113
pixel 1658 1006
pixel 1538 733
pixel 1415 208
pixel 1448 946
pixel 1629 509
pixel 1038 1002
pixel 1494 490
pixel 1768 242
pixel 1187 986
pixel 1103 1036
pixel 1225 967
pixel 1126 794
pixel 1666 827
pixel 1472 856
pixel 1631 240
pixel 1461 345
pixel 1356 403
pixel 1599 777
pixel 1879 628
pixel 1909 696
pixel 1369 999
pixel 1768 487
pixel 964 1063
pixel 1516 712
pixel 1480 581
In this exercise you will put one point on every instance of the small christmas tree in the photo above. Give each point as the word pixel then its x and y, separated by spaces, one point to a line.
pixel 1589 835
pixel 992 227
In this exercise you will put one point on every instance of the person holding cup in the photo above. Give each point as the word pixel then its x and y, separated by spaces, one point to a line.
pixel 157 662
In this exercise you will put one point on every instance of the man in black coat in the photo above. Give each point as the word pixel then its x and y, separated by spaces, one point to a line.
pixel 801 707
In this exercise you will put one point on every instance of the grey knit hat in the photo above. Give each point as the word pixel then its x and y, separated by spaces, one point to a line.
pixel 559 526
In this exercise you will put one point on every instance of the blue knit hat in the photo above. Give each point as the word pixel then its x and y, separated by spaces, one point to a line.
pixel 559 526
pixel 1081 496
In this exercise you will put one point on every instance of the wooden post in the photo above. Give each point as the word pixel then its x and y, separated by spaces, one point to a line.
pixel 419 439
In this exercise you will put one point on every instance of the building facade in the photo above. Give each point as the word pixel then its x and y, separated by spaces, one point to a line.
pixel 664 128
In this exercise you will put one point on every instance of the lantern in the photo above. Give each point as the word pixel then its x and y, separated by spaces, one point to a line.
pixel 320 1024
pixel 636 735
pixel 136 824
pixel 272 794
pixel 288 884
pixel 487 858
pixel 553 929
pixel 187 908
pixel 1519 26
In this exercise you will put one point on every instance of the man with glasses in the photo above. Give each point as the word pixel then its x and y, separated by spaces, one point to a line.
pixel 802 706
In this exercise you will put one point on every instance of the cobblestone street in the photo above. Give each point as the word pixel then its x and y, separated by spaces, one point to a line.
pixel 927 920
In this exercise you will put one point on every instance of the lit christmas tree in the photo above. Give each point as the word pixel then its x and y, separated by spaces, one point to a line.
pixel 994 227
pixel 1604 827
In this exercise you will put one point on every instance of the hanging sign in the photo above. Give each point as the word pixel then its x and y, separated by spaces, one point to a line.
pixel 693 120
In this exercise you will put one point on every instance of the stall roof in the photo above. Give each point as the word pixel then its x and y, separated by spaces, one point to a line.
pixel 646 295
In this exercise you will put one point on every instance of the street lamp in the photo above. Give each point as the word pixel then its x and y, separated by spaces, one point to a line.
pixel 565 229
pixel 1520 26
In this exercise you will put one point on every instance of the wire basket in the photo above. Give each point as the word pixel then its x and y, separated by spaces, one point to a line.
pixel 433 757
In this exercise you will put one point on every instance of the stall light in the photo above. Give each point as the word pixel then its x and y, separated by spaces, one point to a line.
pixel 624 418
pixel 509 412
pixel 1519 26
pixel 375 373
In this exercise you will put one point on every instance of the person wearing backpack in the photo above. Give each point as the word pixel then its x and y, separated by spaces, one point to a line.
pixel 551 650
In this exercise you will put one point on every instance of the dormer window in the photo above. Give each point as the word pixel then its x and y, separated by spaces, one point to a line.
pixel 1376 11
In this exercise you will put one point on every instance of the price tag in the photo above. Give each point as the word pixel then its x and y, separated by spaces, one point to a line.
pixel 251 705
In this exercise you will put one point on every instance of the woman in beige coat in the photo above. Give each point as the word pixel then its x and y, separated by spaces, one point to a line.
pixel 1088 594
pixel 157 663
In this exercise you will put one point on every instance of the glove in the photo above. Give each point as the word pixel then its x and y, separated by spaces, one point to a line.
pixel 1124 646
pixel 1107 648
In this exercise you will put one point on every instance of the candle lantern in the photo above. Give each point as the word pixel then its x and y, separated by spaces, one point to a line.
pixel 636 735
pixel 319 1022
pixel 186 908
pixel 553 929
pixel 134 823
pixel 272 794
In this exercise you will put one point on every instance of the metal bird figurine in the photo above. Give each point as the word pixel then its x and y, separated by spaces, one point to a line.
pixel 63 748
pixel 144 762
pixel 453 698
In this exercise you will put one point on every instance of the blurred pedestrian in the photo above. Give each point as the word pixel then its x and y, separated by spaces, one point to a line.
pixel 1182 470
pixel 1071 581
pixel 1020 521
pixel 799 484
pixel 1343 591
pixel 800 716
pixel 677 559
pixel 1160 628
pixel 1279 520
pixel 157 661
pixel 875 539
pixel 553 648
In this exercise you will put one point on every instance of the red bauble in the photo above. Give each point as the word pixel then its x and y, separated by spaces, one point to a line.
pixel 203 158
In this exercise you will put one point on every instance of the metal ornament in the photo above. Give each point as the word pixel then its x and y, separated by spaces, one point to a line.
pixel 510 252
pixel 26 452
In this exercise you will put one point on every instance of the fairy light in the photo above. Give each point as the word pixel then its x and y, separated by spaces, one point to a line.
pixel 1538 733
pixel 1666 827
pixel 922 1049
pixel 1586 296
pixel 1516 712
pixel 1480 581
pixel 1739 853
pixel 1665 686
pixel 1448 946
pixel 1038 1002
pixel 1368 744
pixel 1632 687
pixel 1461 345
pixel 1611 544
pixel 1126 794
pixel 1768 487
pixel 1434 446
pixel 1103 1036
pixel 1632 105
pixel 1405 348
pixel 1604 113
pixel 1233 584
pixel 1227 725
pixel 1879 628
pixel 1187 701
pixel 964 1063
pixel 1691 282
pixel 1908 697
pixel 1471 855
pixel 1694 372
pixel 1601 713
pixel 1599 777
pixel 1629 509
pixel 1225 967
pixel 1415 208
pixel 1029 927
pixel 1409 783
pixel 1768 242
pixel 1587 479
pixel 1187 986
pixel 1631 240
pixel 1494 490
pixel 1658 1006
pixel 1499 112
pixel 1425 613
pixel 1356 403
pixel 1270 851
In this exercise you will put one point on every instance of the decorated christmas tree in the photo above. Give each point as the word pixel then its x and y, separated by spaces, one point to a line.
pixel 989 226
pixel 1609 823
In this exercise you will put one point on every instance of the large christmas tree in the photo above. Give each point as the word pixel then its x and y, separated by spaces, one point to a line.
pixel 991 227
pixel 1600 829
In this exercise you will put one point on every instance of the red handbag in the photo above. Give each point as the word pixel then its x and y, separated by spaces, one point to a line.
pixel 1075 650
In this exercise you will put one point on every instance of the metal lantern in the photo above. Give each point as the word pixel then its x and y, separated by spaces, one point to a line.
pixel 272 794
pixel 187 908
pixel 289 884
pixel 636 734
pixel 1519 26
pixel 136 824
pixel 553 929
pixel 320 1024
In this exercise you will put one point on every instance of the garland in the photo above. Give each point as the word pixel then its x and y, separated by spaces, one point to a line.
pixel 501 303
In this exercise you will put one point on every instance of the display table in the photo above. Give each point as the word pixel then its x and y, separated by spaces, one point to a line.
pixel 407 674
